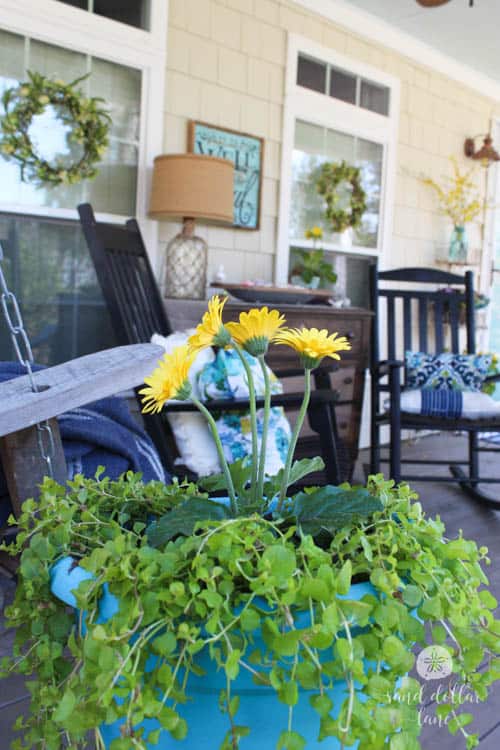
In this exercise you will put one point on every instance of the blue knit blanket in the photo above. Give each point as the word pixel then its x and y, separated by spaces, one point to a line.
pixel 100 434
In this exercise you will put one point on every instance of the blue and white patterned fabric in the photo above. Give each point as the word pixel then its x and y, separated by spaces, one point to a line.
pixel 449 404
pixel 454 372
pixel 225 378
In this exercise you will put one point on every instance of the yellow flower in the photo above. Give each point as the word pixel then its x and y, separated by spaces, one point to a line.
pixel 168 381
pixel 316 233
pixel 256 329
pixel 211 331
pixel 312 345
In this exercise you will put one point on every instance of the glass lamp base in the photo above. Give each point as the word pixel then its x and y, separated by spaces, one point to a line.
pixel 185 268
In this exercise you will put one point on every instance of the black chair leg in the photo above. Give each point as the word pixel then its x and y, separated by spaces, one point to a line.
pixel 473 459
pixel 395 447
pixel 374 448
pixel 323 421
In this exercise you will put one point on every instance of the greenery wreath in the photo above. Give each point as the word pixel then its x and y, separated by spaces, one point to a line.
pixel 330 177
pixel 88 121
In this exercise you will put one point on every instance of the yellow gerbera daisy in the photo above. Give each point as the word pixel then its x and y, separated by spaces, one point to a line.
pixel 256 329
pixel 211 331
pixel 168 381
pixel 312 345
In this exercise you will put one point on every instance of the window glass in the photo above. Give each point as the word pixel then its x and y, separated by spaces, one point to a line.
pixel 315 145
pixel 374 98
pixel 114 188
pixel 48 267
pixel 131 12
pixel 342 86
pixel 311 74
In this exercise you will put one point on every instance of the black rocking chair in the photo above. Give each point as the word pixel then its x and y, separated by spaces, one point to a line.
pixel 137 312
pixel 417 308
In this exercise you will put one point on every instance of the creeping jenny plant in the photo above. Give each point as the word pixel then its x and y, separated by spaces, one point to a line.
pixel 194 577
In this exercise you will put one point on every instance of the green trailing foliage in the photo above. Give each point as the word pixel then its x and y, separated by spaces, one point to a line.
pixel 210 588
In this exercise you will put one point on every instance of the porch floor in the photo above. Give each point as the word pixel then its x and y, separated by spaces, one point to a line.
pixel 456 510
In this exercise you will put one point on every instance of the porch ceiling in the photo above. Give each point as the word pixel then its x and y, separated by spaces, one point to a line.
pixel 469 35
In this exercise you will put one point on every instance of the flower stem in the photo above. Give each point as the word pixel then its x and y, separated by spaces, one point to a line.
pixel 220 451
pixel 253 418
pixel 265 427
pixel 294 438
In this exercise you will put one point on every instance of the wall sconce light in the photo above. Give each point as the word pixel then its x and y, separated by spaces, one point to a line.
pixel 486 154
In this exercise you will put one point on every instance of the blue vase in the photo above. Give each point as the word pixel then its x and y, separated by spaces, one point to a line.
pixel 260 708
pixel 459 245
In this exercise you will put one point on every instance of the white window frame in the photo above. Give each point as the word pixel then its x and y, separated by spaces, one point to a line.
pixel 79 30
pixel 321 109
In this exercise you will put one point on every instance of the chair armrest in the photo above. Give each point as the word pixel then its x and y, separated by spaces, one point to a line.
pixel 294 372
pixel 386 366
pixel 242 404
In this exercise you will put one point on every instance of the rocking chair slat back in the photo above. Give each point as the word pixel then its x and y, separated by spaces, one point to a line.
pixel 133 300
pixel 429 313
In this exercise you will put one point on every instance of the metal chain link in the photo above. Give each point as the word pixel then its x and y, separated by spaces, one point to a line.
pixel 24 354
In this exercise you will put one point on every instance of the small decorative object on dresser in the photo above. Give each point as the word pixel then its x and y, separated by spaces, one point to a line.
pixel 311 268
pixel 190 187
pixel 246 152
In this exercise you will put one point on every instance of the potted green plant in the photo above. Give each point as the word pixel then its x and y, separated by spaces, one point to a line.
pixel 270 618
pixel 311 268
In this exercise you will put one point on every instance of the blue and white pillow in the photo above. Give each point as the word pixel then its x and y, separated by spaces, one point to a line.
pixel 225 378
pixel 446 371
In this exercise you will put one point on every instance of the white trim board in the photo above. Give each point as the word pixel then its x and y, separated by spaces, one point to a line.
pixel 368 26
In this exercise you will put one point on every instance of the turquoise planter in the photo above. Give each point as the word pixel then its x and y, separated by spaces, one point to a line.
pixel 259 707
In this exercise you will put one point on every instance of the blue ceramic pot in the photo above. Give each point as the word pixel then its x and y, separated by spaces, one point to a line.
pixel 259 709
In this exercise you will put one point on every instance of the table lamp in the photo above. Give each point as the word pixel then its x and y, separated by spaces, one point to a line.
pixel 190 187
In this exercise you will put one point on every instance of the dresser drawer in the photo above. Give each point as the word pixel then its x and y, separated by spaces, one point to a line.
pixel 343 382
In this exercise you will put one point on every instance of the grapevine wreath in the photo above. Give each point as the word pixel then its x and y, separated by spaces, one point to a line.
pixel 88 121
pixel 330 177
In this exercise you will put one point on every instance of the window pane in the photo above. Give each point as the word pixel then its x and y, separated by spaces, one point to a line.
pixel 308 155
pixel 131 12
pixel 311 74
pixel 369 157
pixel 120 87
pixel 49 268
pixel 342 86
pixel 374 98
pixel 315 145
pixel 114 188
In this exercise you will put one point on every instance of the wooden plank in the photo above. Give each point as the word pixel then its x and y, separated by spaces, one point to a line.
pixel 23 466
pixel 74 384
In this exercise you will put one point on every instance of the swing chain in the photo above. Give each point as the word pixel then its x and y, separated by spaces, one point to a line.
pixel 24 354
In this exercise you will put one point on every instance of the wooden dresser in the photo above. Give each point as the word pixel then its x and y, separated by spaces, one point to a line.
pixel 348 380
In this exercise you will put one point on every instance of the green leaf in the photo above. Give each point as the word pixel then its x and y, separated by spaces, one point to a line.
pixel 305 466
pixel 183 519
pixel 290 741
pixel 330 508
pixel 65 708
pixel 412 596
pixel 344 578
pixel 280 561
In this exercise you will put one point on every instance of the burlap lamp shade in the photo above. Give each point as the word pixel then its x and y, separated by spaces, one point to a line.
pixel 189 187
